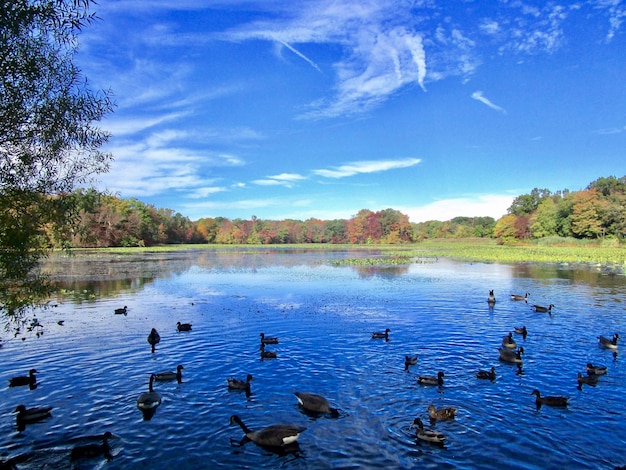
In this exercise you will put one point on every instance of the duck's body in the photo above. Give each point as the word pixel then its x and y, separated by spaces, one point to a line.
pixel 427 435
pixel 487 374
pixel 549 400
pixel 29 379
pixel 315 403
pixel 169 375
pixel 381 335
pixel 521 330
pixel 441 413
pixel 183 326
pixel 508 342
pixel 431 379
pixel 491 300
pixel 608 343
pixel 542 309
pixel 409 361
pixel 154 338
pixel 588 379
pixel 94 450
pixel 31 415
pixel 276 435
pixel 237 384
pixel 596 369
pixel 520 297
pixel 267 354
pixel 149 400
pixel 514 357
pixel 268 339
pixel 121 311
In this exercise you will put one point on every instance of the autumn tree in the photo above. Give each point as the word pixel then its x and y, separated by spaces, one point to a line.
pixel 587 214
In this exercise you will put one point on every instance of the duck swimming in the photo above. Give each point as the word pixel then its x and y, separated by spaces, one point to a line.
pixel 521 330
pixel 441 413
pixel 149 400
pixel 268 339
pixel 608 343
pixel 427 435
pixel 588 380
pixel 29 379
pixel 267 354
pixel 379 335
pixel 542 309
pixel 549 400
pixel 520 297
pixel 409 361
pixel 315 403
pixel 596 369
pixel 154 338
pixel 236 384
pixel 508 341
pixel 487 374
pixel 492 298
pixel 94 450
pixel 514 357
pixel 120 311
pixel 169 375
pixel 183 326
pixel 431 380
pixel 276 435
pixel 31 415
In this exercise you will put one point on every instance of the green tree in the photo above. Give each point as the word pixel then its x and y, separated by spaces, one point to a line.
pixel 544 221
pixel 48 140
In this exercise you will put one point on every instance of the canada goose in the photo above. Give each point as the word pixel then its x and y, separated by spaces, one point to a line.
pixel 521 330
pixel 492 298
pixel 268 339
pixel 121 311
pixel 588 380
pixel 379 335
pixel 427 435
pixel 431 380
pixel 183 326
pixel 608 343
pixel 315 403
pixel 549 400
pixel 154 338
pixel 169 375
pixel 508 341
pixel 29 379
pixel 542 309
pixel 94 450
pixel 267 354
pixel 520 297
pixel 487 374
pixel 149 400
pixel 596 370
pixel 514 357
pixel 276 435
pixel 30 415
pixel 236 384
pixel 441 413
pixel 409 361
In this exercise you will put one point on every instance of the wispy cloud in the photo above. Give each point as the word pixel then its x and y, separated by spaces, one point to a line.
pixel 478 96
pixel 372 166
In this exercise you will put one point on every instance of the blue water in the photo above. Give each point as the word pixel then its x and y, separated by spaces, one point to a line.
pixel 94 366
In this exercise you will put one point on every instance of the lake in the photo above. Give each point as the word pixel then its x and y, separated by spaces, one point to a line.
pixel 93 366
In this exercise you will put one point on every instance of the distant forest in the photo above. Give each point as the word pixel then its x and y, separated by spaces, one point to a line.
pixel 597 212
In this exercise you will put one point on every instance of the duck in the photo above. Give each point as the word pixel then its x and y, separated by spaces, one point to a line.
pixel 409 361
pixel 276 435
pixel 154 338
pixel 514 357
pixel 149 400
pixel 29 379
pixel 595 369
pixel 31 415
pixel 549 400
pixel 169 375
pixel 427 435
pixel 588 380
pixel 237 384
pixel 121 311
pixel 508 341
pixel 520 297
pixel 521 330
pixel 268 339
pixel 267 354
pixel 431 380
pixel 441 413
pixel 608 343
pixel 94 450
pixel 487 374
pixel 380 335
pixel 542 309
pixel 315 403
pixel 183 326
pixel 492 298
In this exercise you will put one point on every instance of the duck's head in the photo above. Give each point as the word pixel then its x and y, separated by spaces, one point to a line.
pixel 179 367
pixel 20 409
pixel 440 374
pixel 249 378
pixel 536 393
pixel 417 422
pixel 32 371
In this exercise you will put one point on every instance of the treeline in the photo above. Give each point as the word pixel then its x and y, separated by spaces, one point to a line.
pixel 103 220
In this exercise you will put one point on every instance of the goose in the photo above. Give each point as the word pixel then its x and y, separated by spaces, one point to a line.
pixel 431 380
pixel 427 435
pixel 595 369
pixel 492 298
pixel 267 354
pixel 514 357
pixel 121 311
pixel 31 415
pixel 94 450
pixel 149 400
pixel 268 339
pixel 183 326
pixel 521 330
pixel 315 403
pixel 236 384
pixel 487 374
pixel 608 343
pixel 542 309
pixel 589 380
pixel 153 338
pixel 508 341
pixel 520 297
pixel 379 335
pixel 549 400
pixel 29 379
pixel 441 413
pixel 169 375
pixel 276 435
pixel 409 361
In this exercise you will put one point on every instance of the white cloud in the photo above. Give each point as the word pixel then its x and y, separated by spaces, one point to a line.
pixel 487 205
pixel 372 166
pixel 478 96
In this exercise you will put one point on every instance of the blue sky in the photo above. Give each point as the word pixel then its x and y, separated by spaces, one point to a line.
pixel 300 109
